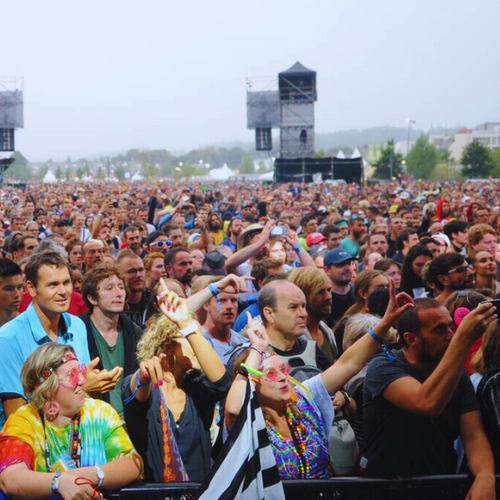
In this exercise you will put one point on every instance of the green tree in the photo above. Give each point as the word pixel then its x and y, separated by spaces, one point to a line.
pixel 149 170
pixel 388 158
pixel 120 172
pixel 59 173
pixel 247 165
pixel 476 160
pixel 423 158
pixel 20 169
pixel 495 158
pixel 80 172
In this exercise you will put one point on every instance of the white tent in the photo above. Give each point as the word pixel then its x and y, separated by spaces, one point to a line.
pixel 49 177
pixel 356 154
pixel 137 177
pixel 221 174
pixel 269 176
pixel 340 155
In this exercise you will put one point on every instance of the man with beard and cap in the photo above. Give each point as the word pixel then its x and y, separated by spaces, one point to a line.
pixel 179 266
pixel 337 266
pixel 140 301
pixel 449 273
pixel 221 315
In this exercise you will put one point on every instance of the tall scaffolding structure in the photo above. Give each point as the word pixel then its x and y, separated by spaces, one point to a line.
pixel 11 118
pixel 297 94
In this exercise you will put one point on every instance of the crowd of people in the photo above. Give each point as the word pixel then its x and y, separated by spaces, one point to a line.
pixel 133 317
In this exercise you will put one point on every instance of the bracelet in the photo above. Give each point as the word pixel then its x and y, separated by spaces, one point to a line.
pixel 263 355
pixel 347 399
pixel 139 385
pixel 298 248
pixel 100 477
pixel 54 485
pixel 214 290
pixel 381 341
pixel 191 328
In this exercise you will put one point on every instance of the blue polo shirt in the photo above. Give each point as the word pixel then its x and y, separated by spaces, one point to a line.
pixel 21 336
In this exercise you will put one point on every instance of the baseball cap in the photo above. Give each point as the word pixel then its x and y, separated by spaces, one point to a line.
pixel 314 239
pixel 337 256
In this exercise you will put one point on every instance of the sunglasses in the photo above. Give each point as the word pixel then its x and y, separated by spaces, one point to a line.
pixel 270 375
pixel 461 269
pixel 161 244
pixel 74 376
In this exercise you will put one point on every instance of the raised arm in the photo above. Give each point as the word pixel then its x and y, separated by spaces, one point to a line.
pixel 176 309
pixel 196 301
pixel 430 397
pixel 245 253
pixel 234 401
pixel 356 357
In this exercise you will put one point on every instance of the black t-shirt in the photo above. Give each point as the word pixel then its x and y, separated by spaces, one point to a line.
pixel 139 313
pixel 340 304
pixel 399 443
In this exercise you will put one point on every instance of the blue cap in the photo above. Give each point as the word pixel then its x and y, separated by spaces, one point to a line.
pixel 337 256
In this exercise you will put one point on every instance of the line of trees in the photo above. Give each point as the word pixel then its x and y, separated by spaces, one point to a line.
pixel 425 161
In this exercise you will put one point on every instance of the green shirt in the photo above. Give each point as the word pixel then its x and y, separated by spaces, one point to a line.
pixel 111 356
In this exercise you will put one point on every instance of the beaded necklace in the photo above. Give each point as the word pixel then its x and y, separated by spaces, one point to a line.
pixel 75 441
pixel 298 431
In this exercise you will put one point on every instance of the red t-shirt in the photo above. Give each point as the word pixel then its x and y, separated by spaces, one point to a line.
pixel 77 305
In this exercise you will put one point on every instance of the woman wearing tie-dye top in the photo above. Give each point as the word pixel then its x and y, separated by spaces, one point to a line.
pixel 63 443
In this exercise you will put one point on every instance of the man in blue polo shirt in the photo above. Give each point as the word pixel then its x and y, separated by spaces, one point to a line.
pixel 45 320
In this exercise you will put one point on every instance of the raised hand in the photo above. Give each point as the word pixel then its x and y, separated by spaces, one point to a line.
pixel 398 304
pixel 257 333
pixel 236 282
pixel 173 307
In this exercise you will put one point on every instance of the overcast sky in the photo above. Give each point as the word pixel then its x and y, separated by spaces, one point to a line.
pixel 104 76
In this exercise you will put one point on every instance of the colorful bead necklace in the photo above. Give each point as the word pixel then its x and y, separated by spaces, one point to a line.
pixel 298 431
pixel 75 442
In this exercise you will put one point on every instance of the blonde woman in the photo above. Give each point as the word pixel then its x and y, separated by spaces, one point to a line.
pixel 169 402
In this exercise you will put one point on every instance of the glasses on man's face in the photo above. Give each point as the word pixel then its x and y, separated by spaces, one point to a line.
pixel 460 269
pixel 161 244
pixel 272 373
pixel 139 270
pixel 75 376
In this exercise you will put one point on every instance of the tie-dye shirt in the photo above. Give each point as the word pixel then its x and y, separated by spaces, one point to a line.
pixel 103 437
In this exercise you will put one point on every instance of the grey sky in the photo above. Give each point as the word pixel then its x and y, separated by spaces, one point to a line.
pixel 105 76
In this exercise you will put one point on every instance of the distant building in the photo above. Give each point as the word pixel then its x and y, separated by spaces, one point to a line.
pixel 487 134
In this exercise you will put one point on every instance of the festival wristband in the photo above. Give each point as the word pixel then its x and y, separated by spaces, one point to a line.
pixel 381 341
pixel 263 355
pixel 252 372
pixel 298 248
pixel 139 385
pixel 54 485
pixel 100 476
pixel 214 290
pixel 191 328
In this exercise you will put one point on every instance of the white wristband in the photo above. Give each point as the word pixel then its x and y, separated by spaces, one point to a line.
pixel 191 328
pixel 100 477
